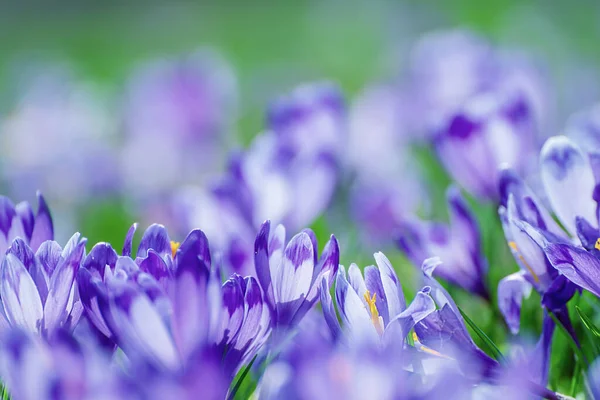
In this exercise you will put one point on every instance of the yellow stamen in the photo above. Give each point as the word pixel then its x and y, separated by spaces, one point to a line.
pixel 174 247
pixel 426 349
pixel 597 245
pixel 536 278
pixel 375 318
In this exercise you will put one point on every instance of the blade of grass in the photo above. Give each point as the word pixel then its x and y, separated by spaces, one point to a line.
pixel 496 353
pixel 578 353
pixel 233 391
pixel 588 322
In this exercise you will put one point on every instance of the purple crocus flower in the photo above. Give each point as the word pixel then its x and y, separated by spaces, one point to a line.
pixel 61 368
pixel 459 244
pixel 287 175
pixel 54 111
pixel 445 332
pixel 291 274
pixel 526 224
pixel 449 68
pixel 566 169
pixel 490 130
pixel 373 308
pixel 177 110
pixel 20 222
pixel 38 290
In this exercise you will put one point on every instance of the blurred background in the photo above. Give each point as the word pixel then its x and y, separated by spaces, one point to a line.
pixel 101 105
pixel 91 53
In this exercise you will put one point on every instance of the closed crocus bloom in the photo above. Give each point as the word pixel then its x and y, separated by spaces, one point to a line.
pixel 20 222
pixel 373 307
pixel 38 289
pixel 459 243
pixel 291 274
pixel 489 130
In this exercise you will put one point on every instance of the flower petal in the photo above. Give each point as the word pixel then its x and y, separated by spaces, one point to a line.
pixel 59 291
pixel 20 297
pixel 43 228
pixel 391 285
pixel 569 181
pixel 293 279
pixel 578 265
pixel 511 291
pixel 127 245
pixel 155 238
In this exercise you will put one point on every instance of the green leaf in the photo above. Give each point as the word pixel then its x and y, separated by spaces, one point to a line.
pixel 243 375
pixel 576 349
pixel 589 324
pixel 494 350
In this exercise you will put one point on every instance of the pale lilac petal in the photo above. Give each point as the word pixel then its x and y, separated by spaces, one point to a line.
pixel 60 290
pixel 20 298
pixel 329 311
pixel 391 285
pixel 511 292
pixel 566 171
pixel 375 287
pixel 293 280
pixel 357 321
pixel 400 326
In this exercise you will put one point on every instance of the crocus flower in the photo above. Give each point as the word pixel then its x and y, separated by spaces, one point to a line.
pixel 54 112
pixel 179 111
pixel 490 130
pixel 448 68
pixel 61 368
pixel 445 331
pixel 288 175
pixel 566 169
pixel 38 290
pixel 458 244
pixel 526 222
pixel 166 305
pixel 20 222
pixel 290 275
pixel 373 308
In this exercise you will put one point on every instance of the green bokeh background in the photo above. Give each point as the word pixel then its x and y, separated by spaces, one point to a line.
pixel 274 45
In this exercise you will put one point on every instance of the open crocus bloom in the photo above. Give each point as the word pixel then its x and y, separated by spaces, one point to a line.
pixel 373 308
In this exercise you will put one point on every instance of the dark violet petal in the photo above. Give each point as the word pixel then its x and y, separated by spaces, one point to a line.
pixel 20 297
pixel 511 292
pixel 194 253
pixel 539 360
pixel 92 293
pixel 43 228
pixel 154 265
pixel 578 265
pixel 23 252
pixel 25 213
pixel 559 293
pixel 7 213
pixel 313 239
pixel 588 235
pixel 326 268
pixel 233 310
pixel 101 255
pixel 155 238
pixel 60 288
pixel 329 311
pixel 261 260
pixel 127 245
